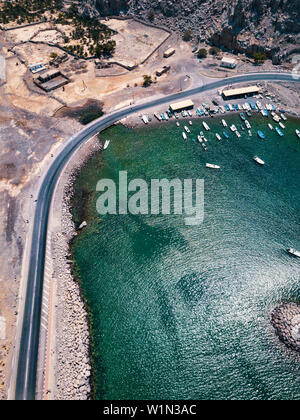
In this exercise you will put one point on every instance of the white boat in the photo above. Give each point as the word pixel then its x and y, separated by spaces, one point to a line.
pixel 238 134
pixel 294 252
pixel 224 123
pixel 190 113
pixel 190 122
pixel 187 129
pixel 106 144
pixel 258 160
pixel 233 128
pixel 184 135
pixel 211 166
pixel 270 126
pixel 248 125
pixel 178 124
pixel 218 137
pixel 282 125
pixel 283 117
pixel 200 139
pixel 207 128
pixel 145 119
pixel 298 133
pixel 250 133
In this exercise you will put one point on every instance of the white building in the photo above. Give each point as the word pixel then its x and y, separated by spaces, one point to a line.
pixel 229 63
pixel 169 52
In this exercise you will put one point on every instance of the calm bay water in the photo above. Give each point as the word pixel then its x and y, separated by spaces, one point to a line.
pixel 183 312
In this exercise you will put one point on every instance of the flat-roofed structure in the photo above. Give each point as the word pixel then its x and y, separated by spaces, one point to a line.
pixel 162 71
pixel 49 75
pixel 51 80
pixel 179 106
pixel 169 52
pixel 238 93
pixel 229 63
pixel 37 68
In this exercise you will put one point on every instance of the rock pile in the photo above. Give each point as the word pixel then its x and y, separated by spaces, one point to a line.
pixel 73 367
pixel 286 321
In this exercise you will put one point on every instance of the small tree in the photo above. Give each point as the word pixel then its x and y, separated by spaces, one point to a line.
pixel 151 15
pixel 214 50
pixel 53 56
pixel 202 53
pixel 147 80
pixel 260 58
pixel 187 36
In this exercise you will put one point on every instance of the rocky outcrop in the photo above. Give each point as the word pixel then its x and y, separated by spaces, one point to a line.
pixel 245 26
pixel 103 8
pixel 286 321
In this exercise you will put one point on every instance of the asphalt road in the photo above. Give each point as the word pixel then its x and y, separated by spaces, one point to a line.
pixel 28 353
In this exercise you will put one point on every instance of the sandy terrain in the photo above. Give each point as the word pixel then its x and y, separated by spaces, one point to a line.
pixel 25 34
pixel 51 36
pixel 27 144
pixel 135 41
pixel 32 53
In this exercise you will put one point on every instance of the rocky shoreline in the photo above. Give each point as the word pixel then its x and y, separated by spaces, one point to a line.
pixel 73 370
pixel 286 322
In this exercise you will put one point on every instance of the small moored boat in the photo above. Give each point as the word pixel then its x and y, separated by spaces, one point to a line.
pixel 258 160
pixel 293 252
pixel 279 132
pixel 145 119
pixel 206 126
pixel 211 166
pixel 106 144
pixel 248 125
pixel 282 125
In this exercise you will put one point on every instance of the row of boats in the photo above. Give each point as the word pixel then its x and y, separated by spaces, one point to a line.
pixel 248 107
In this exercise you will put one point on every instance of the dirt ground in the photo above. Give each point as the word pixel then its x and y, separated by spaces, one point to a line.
pixel 135 41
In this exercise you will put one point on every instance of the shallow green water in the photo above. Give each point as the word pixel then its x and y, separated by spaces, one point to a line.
pixel 183 312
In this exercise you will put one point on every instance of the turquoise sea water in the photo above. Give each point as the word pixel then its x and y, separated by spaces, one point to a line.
pixel 183 312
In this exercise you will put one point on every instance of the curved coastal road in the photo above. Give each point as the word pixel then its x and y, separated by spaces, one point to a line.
pixel 28 353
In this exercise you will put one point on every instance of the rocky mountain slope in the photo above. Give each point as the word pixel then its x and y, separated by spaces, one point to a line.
pixel 244 26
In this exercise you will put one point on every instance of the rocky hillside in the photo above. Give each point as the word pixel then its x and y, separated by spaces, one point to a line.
pixel 245 26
